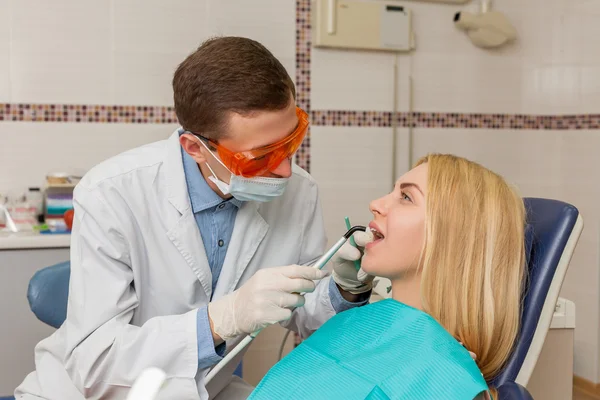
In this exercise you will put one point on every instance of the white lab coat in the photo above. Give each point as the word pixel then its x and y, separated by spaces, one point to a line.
pixel 139 271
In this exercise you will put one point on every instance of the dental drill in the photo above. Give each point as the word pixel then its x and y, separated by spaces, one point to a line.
pixel 321 262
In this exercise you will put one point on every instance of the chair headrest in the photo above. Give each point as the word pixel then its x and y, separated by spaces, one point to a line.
pixel 550 224
pixel 48 292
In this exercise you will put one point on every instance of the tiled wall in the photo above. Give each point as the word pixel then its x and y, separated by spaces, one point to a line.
pixel 505 108
pixel 529 111
pixel 106 61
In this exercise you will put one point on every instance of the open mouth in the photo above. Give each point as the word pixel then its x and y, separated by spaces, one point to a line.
pixel 374 230
pixel 376 234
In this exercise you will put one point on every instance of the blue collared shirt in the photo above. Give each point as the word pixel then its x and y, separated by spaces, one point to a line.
pixel 215 218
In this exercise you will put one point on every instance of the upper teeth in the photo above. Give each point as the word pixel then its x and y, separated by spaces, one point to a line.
pixel 376 233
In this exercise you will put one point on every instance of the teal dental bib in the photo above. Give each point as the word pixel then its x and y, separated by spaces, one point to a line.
pixel 385 350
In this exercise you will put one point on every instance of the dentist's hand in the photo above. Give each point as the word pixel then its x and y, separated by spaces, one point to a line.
pixel 267 298
pixel 344 270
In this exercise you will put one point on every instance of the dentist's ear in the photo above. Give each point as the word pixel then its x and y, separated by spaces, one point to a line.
pixel 191 145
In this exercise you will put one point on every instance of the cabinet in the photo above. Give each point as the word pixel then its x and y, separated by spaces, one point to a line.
pixel 20 330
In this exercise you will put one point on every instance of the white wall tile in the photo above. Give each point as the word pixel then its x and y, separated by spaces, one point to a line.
pixel 490 84
pixel 352 165
pixel 4 51
pixel 590 87
pixel 4 77
pixel 4 25
pixel 63 25
pixel 520 156
pixel 584 7
pixel 353 80
pixel 30 150
pixel 579 159
pixel 589 31
pixel 404 162
pixel 550 36
pixel 156 26
pixel 61 52
pixel 150 40
pixel 53 76
pixel 270 22
pixel 552 88
pixel 145 78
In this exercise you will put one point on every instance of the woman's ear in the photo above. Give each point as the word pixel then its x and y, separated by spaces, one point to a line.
pixel 191 145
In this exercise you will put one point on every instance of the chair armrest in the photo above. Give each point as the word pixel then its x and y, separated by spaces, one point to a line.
pixel 513 391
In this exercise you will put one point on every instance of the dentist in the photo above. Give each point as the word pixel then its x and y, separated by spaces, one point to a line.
pixel 181 246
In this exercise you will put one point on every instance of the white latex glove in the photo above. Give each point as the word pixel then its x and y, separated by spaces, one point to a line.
pixel 267 298
pixel 344 270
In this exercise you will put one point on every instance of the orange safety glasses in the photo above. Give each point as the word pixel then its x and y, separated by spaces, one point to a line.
pixel 258 161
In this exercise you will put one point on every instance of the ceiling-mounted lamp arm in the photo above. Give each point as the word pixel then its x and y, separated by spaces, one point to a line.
pixel 486 5
pixel 331 16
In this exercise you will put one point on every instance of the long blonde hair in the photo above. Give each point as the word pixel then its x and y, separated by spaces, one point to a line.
pixel 473 259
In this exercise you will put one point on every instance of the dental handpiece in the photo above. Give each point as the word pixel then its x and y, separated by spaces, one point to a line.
pixel 321 262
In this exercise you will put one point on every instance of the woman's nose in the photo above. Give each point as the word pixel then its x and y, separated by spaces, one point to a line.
pixel 378 206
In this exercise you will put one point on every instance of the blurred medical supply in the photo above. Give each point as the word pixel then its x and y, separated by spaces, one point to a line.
pixel 35 196
pixel 47 210
pixel 23 214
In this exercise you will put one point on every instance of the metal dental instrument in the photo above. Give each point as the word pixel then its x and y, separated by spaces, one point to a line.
pixel 321 262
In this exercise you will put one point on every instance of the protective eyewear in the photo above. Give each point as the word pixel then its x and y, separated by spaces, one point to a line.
pixel 258 161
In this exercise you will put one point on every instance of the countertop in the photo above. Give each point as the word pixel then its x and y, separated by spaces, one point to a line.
pixel 33 240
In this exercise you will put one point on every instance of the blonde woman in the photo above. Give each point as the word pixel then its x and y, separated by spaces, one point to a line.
pixel 450 237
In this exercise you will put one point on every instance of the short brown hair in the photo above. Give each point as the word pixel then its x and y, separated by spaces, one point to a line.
pixel 228 74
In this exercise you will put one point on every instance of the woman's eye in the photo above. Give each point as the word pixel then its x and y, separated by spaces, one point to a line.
pixel 405 196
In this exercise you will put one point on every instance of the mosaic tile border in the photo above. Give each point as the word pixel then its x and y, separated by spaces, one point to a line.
pixel 455 120
pixel 87 113
pixel 166 115
pixel 303 52
pixel 350 118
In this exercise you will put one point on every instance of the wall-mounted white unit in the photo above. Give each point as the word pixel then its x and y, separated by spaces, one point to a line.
pixel 445 1
pixel 360 24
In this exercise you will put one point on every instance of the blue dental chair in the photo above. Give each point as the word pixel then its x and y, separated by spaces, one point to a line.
pixel 48 292
pixel 552 233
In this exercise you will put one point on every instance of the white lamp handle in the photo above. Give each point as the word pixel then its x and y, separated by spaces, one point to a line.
pixel 147 385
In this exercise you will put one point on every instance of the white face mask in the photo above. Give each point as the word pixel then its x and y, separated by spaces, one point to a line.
pixel 258 188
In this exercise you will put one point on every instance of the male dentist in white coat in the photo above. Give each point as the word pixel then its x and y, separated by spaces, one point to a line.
pixel 181 247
